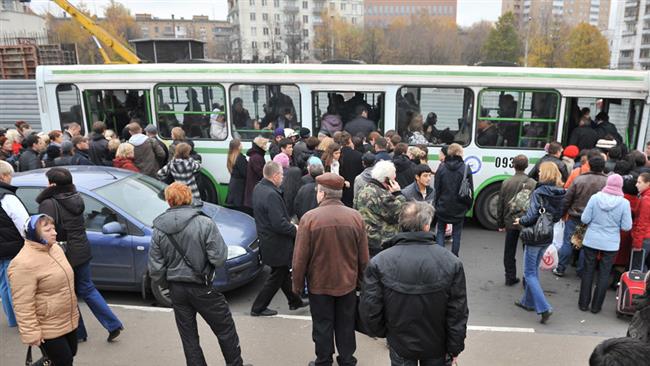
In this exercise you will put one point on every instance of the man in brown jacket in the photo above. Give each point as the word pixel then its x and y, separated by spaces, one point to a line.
pixel 147 151
pixel 331 250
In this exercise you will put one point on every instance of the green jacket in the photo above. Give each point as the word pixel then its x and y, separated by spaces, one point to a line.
pixel 380 212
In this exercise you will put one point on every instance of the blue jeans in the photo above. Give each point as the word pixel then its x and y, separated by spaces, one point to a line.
pixel 5 293
pixel 85 289
pixel 566 252
pixel 533 293
pixel 457 228
pixel 397 360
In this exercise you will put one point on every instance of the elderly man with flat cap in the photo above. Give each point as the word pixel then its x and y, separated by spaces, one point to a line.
pixel 331 251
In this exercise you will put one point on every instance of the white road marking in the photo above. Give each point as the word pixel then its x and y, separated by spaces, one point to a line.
pixel 478 328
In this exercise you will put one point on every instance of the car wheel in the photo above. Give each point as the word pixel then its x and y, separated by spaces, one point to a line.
pixel 486 208
pixel 161 294
pixel 207 189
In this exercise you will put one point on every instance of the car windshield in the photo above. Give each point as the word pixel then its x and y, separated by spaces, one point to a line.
pixel 138 195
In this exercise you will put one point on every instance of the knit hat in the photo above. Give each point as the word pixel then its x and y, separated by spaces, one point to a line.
pixel 571 151
pixel 279 132
pixel 614 185
pixel 282 159
pixel 304 132
pixel 151 129
pixel 314 160
pixel 604 144
pixel 30 229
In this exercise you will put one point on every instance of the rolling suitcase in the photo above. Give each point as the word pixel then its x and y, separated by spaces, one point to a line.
pixel 632 285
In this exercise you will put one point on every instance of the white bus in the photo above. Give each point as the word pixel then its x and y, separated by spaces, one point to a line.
pixel 528 106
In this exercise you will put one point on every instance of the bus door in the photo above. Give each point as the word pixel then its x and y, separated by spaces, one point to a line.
pixel 625 114
pixel 333 109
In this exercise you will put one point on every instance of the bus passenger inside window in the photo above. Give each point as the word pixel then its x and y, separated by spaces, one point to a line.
pixel 434 116
pixel 198 109
pixel 517 118
pixel 360 114
pixel 117 107
pixel 261 109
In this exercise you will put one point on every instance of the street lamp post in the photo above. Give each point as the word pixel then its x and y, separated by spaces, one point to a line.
pixel 526 43
pixel 332 37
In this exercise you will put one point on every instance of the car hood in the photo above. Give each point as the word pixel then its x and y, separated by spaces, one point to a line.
pixel 235 227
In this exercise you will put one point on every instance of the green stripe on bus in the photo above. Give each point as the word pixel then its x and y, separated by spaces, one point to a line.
pixel 489 159
pixel 211 150
pixel 355 72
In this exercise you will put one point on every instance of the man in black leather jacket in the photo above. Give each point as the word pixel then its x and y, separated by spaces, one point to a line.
pixel 414 294
pixel 198 237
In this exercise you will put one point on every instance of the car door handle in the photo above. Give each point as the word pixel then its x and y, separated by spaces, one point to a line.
pixel 139 247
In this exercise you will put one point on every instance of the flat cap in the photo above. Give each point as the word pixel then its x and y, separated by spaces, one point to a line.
pixel 331 181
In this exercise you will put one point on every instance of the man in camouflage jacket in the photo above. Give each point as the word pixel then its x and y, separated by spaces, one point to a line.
pixel 380 203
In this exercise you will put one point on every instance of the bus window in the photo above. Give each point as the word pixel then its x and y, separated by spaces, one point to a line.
pixel 517 118
pixel 67 96
pixel 116 108
pixel 625 114
pixel 434 116
pixel 199 109
pixel 331 111
pixel 259 109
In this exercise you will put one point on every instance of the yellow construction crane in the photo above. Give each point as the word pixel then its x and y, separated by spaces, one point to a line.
pixel 100 36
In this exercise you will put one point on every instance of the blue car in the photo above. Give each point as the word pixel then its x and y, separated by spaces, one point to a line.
pixel 120 208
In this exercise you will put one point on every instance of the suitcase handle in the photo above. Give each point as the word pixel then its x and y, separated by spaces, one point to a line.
pixel 638 252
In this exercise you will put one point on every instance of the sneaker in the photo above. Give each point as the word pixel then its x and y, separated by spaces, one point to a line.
pixel 114 334
pixel 545 316
pixel 558 273
pixel 265 312
pixel 302 304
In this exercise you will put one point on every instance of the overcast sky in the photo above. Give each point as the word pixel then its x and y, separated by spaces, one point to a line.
pixel 469 11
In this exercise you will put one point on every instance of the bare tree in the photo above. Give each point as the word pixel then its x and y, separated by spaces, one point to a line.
pixel 293 39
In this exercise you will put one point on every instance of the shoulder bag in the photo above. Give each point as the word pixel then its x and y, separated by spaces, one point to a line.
pixel 541 232
pixel 465 190
pixel 206 278
pixel 43 361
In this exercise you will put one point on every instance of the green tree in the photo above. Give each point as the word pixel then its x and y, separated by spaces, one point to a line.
pixel 586 48
pixel 503 43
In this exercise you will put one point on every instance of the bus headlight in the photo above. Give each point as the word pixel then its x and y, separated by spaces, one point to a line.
pixel 235 251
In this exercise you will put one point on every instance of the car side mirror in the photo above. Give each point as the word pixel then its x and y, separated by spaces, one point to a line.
pixel 114 228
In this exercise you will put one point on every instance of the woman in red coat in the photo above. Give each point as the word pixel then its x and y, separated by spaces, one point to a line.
pixel 641 227
pixel 124 157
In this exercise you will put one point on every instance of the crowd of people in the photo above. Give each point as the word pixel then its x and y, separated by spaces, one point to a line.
pixel 353 226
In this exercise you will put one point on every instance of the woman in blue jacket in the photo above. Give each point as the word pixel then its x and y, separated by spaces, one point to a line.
pixel 607 213
pixel 548 195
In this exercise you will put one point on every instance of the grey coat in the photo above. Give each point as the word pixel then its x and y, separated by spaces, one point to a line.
pixel 196 234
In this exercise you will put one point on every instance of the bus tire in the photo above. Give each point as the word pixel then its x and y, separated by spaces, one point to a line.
pixel 486 206
pixel 161 295
pixel 207 189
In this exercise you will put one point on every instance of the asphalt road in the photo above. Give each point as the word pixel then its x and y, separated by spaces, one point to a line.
pixel 499 333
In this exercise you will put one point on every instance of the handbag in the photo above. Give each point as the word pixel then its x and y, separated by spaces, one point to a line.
pixel 43 361
pixel 465 190
pixel 541 232
pixel 578 236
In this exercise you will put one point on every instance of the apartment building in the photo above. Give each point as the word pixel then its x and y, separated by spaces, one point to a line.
pixel 215 33
pixel 631 36
pixel 278 30
pixel 383 12
pixel 594 12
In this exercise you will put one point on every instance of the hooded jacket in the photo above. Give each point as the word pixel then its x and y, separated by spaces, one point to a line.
pixel 147 154
pixel 98 150
pixel 380 211
pixel 449 207
pixel 641 230
pixel 331 123
pixel 606 216
pixel 253 172
pixel 549 197
pixel 42 288
pixel 197 236
pixel 65 205
pixel 414 294
pixel 404 170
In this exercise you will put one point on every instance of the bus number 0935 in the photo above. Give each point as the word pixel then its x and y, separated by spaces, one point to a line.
pixel 503 162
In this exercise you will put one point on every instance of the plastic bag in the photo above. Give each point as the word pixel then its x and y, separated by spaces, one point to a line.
pixel 550 259
pixel 558 234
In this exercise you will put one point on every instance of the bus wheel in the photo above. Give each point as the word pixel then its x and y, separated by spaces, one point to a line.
pixel 207 189
pixel 486 206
